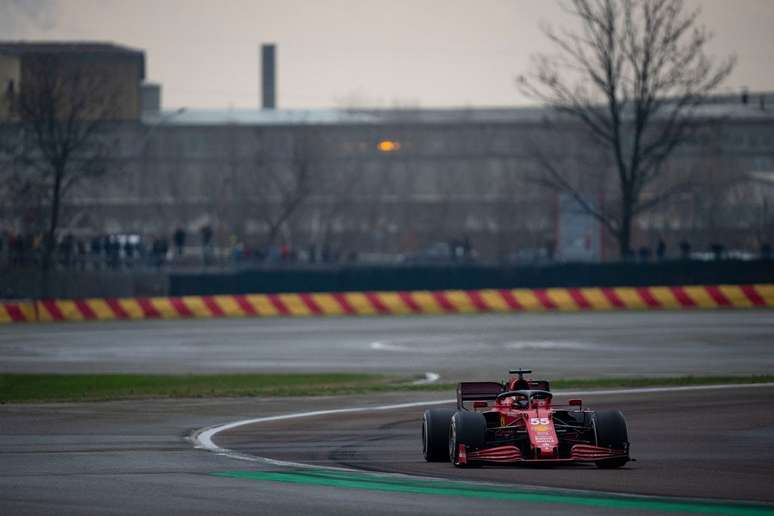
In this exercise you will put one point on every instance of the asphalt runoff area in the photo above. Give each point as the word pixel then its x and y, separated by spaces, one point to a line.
pixel 567 345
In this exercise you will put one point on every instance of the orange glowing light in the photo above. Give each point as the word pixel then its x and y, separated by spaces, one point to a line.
pixel 388 146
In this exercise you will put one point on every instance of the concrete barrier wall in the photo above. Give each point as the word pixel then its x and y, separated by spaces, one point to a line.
pixel 394 303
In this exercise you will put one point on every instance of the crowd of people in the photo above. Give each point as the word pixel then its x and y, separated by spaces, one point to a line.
pixel 98 252
pixel 715 251
pixel 133 251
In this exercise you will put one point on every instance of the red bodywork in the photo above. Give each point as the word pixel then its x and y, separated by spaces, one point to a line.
pixel 532 426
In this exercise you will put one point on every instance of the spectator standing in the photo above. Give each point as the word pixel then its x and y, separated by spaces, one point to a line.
pixel 159 252
pixel 106 250
pixel 164 248
pixel 661 250
pixel 717 250
pixel 66 250
pixel 80 246
pixel 206 234
pixel 685 250
pixel 326 253
pixel 115 251
pixel 95 246
pixel 129 253
pixel 467 249
pixel 179 239
pixel 16 246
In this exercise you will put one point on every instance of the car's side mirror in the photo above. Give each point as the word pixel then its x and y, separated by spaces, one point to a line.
pixel 480 404
pixel 576 403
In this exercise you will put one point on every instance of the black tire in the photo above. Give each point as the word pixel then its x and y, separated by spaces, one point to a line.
pixel 610 430
pixel 468 428
pixel 435 434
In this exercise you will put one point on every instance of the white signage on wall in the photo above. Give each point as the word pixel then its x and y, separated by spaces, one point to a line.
pixel 579 234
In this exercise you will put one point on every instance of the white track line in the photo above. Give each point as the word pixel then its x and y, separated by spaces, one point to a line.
pixel 203 438
pixel 430 377
pixel 382 346
pixel 645 390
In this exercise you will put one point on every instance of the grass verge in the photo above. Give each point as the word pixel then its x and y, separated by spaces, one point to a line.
pixel 30 388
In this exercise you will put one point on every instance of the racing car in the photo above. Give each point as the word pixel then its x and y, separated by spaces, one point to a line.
pixel 516 422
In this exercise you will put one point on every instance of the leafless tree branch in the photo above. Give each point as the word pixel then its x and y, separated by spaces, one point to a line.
pixel 633 77
pixel 62 109
pixel 281 187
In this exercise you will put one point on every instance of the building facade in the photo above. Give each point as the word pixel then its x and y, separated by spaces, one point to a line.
pixel 118 69
pixel 397 183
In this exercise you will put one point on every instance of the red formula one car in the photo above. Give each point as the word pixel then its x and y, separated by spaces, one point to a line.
pixel 515 422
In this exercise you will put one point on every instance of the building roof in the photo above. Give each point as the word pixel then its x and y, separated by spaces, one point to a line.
pixel 255 117
pixel 65 47
pixel 339 116
pixel 295 117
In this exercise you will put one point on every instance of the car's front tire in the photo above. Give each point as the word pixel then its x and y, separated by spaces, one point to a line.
pixel 468 428
pixel 611 432
pixel 435 434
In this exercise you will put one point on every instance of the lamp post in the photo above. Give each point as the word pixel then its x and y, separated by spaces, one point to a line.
pixel 143 152
pixel 161 121
pixel 143 147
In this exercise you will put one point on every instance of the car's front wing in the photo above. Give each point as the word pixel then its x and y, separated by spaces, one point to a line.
pixel 510 454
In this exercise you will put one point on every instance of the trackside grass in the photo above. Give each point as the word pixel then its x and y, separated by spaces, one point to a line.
pixel 30 388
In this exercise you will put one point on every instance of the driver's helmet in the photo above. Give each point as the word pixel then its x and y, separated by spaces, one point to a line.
pixel 519 385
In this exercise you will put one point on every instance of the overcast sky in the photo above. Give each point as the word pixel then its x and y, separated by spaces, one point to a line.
pixel 334 53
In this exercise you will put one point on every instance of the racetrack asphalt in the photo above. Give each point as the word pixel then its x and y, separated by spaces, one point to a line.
pixel 704 444
pixel 134 457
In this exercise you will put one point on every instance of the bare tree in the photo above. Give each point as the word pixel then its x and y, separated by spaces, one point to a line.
pixel 333 201
pixel 278 187
pixel 8 149
pixel 631 78
pixel 62 108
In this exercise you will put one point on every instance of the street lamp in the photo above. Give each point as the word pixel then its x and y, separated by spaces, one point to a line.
pixel 161 121
pixel 142 148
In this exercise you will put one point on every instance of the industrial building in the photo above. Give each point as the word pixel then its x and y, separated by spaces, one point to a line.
pixel 121 68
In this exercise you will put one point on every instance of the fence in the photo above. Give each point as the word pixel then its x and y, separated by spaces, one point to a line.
pixel 471 277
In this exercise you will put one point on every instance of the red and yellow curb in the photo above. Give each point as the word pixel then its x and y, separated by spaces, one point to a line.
pixel 393 303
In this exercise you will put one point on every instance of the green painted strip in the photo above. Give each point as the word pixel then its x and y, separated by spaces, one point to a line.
pixel 376 482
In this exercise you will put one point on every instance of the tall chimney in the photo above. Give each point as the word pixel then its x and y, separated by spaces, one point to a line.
pixel 268 76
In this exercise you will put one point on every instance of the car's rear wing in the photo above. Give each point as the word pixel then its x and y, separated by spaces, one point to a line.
pixel 477 391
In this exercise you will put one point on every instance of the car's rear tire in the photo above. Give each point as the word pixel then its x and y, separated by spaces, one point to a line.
pixel 435 434
pixel 468 428
pixel 611 432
